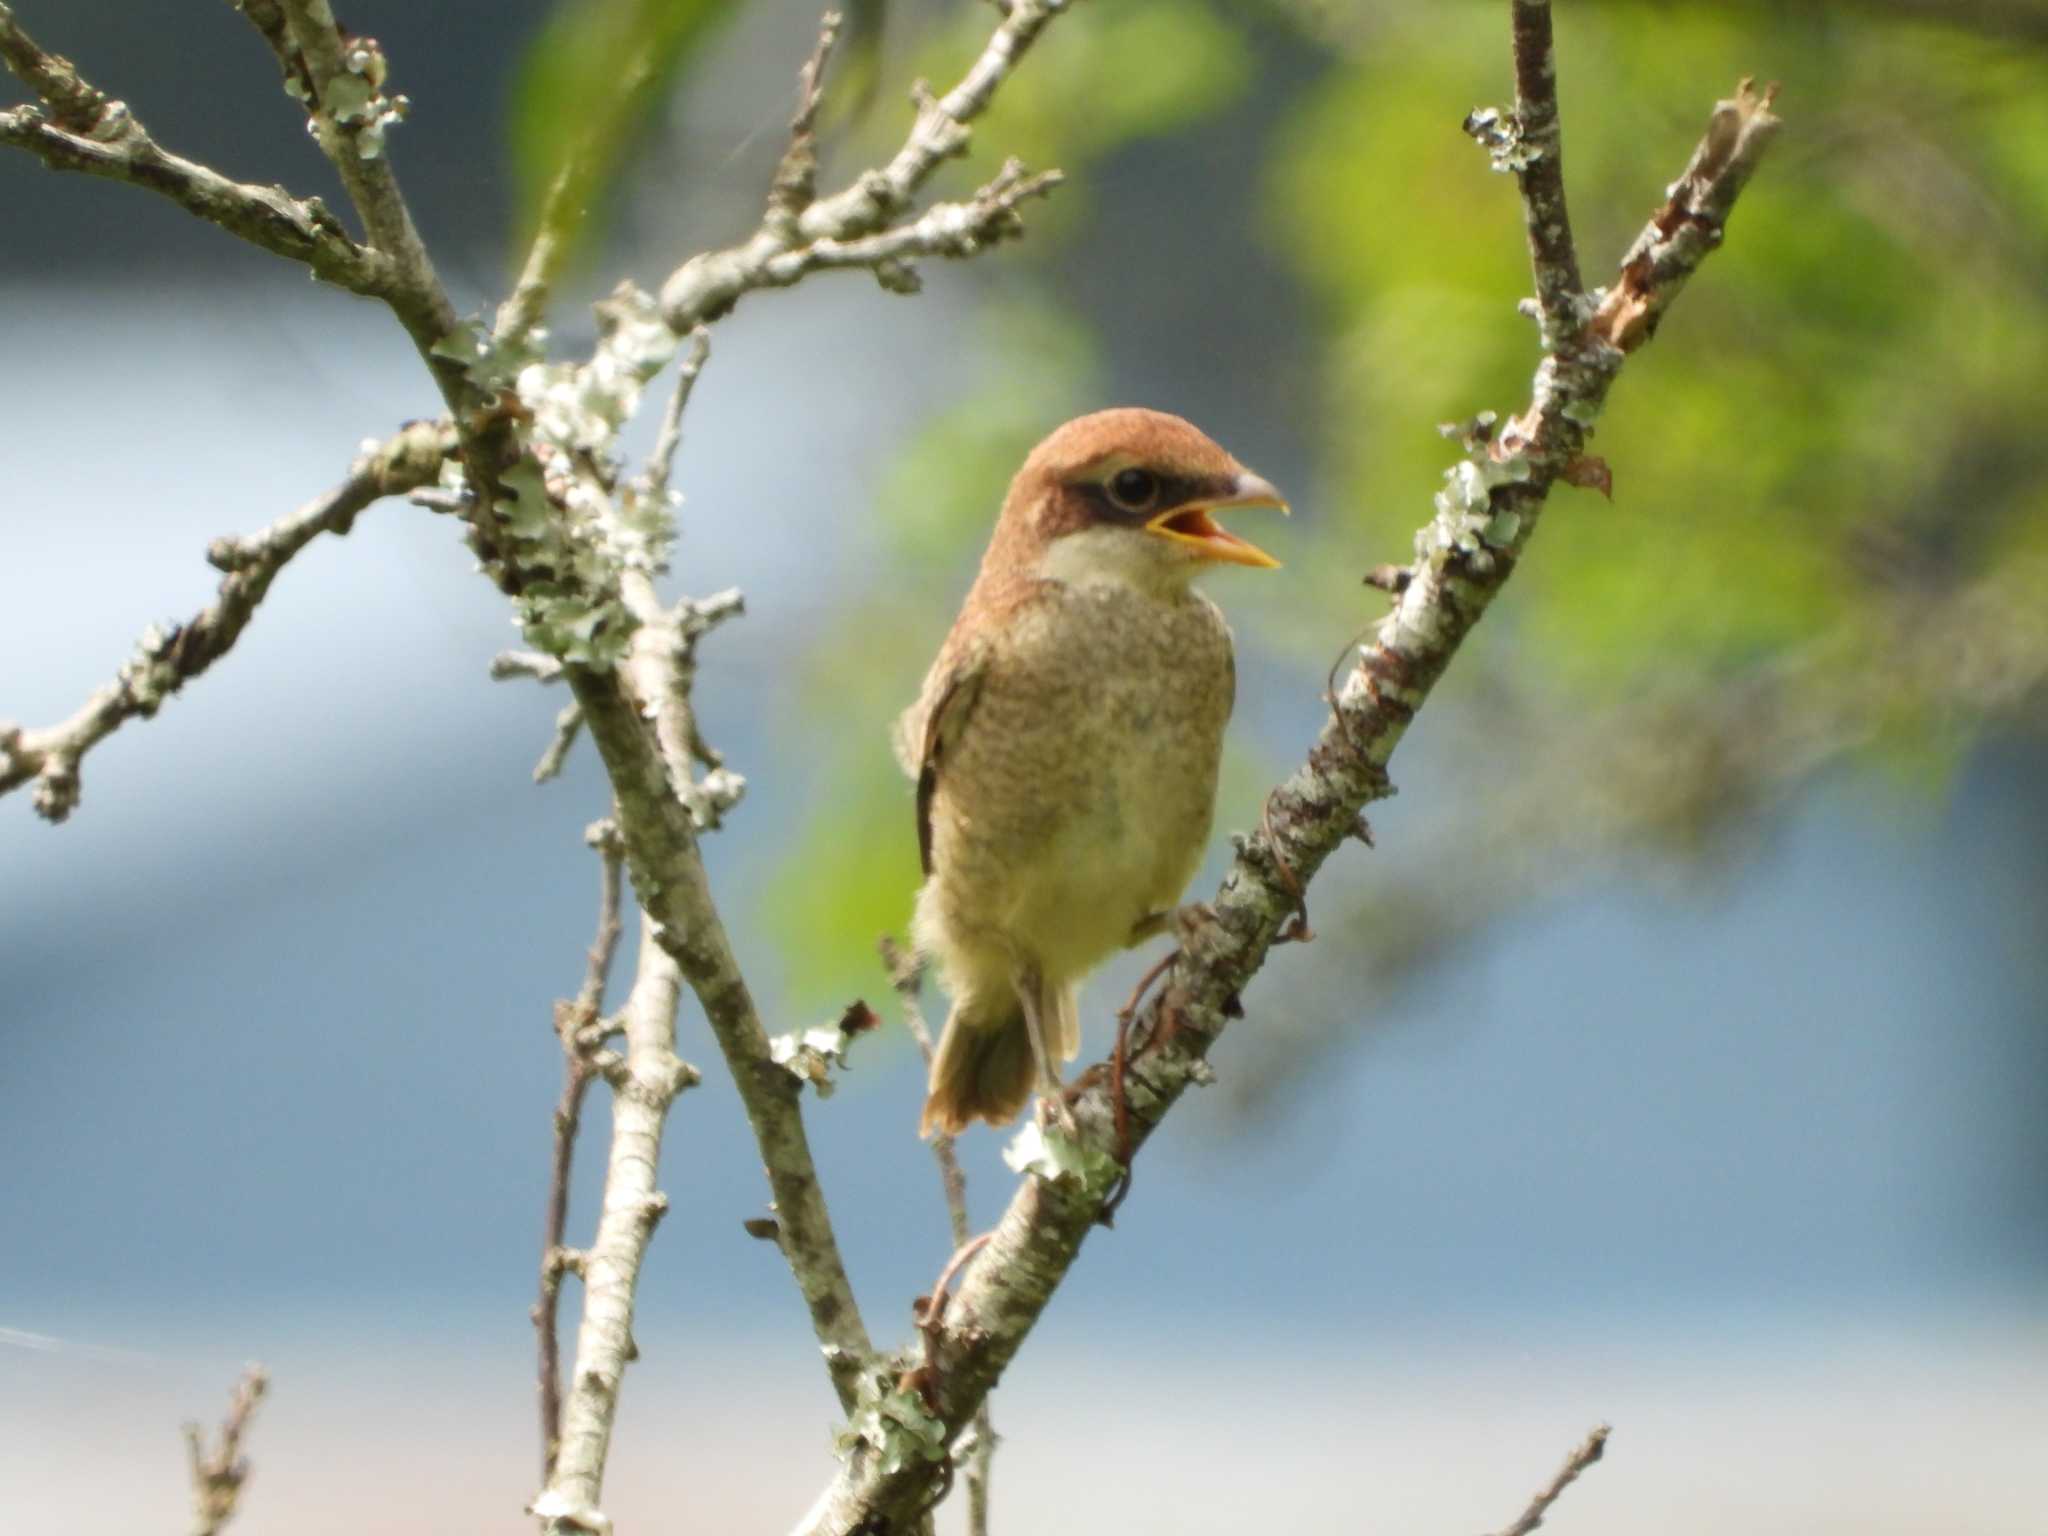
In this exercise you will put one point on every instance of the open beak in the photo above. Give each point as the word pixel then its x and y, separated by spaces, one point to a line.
pixel 1190 523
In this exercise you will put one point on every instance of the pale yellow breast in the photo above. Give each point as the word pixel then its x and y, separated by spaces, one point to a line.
pixel 1079 798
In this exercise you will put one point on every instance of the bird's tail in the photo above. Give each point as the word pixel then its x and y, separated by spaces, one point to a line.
pixel 984 1067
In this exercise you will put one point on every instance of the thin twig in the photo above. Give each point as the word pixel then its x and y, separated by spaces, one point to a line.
pixel 568 726
pixel 857 227
pixel 906 975
pixel 795 184
pixel 166 659
pixel 577 1029
pixel 507 665
pixel 654 479
pixel 1484 521
pixel 218 1475
pixel 1590 1451
pixel 933 1312
pixel 1553 257
pixel 349 113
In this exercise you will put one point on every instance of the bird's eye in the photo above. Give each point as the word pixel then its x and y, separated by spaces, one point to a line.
pixel 1133 489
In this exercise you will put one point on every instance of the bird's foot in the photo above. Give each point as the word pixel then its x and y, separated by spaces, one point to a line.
pixel 1190 919
pixel 1054 1110
pixel 1182 922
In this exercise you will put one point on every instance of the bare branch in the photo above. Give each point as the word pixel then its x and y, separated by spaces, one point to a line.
pixel 568 726
pixel 795 185
pixel 218 1475
pixel 80 128
pixel 853 228
pixel 1590 1451
pixel 507 665
pixel 653 481
pixel 578 1029
pixel 1484 521
pixel 568 723
pixel 644 1086
pixel 906 975
pixel 166 659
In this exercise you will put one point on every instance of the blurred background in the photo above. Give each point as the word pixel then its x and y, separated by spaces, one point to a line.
pixel 1678 1058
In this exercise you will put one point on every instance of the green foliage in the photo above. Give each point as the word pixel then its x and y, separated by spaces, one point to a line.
pixel 1837 362
pixel 588 82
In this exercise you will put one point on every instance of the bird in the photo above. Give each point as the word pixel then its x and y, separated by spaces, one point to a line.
pixel 1065 744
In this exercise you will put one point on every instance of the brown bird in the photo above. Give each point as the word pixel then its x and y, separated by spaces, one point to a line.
pixel 1066 741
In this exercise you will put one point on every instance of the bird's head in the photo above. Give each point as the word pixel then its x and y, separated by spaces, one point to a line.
pixel 1130 497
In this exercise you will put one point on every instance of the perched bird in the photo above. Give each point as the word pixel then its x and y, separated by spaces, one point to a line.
pixel 1066 740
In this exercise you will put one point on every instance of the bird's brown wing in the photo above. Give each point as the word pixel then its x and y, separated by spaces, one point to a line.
pixel 930 729
pixel 943 723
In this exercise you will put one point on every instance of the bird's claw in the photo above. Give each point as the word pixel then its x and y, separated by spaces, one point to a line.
pixel 1190 919
pixel 1054 1110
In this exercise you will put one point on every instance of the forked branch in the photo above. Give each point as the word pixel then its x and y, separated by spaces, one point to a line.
pixel 166 659
pixel 78 127
pixel 644 1084
pixel 219 1472
pixel 582 1031
pixel 863 225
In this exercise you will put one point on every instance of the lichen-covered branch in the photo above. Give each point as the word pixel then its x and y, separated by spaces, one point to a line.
pixel 644 1085
pixel 80 128
pixel 1484 520
pixel 350 112
pixel 166 659
pixel 660 829
pixel 858 227
pixel 218 1475
pixel 1553 258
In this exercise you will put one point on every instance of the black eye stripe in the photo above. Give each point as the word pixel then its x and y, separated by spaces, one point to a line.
pixel 1174 491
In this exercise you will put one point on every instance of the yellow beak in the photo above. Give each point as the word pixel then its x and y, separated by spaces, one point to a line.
pixel 1190 523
